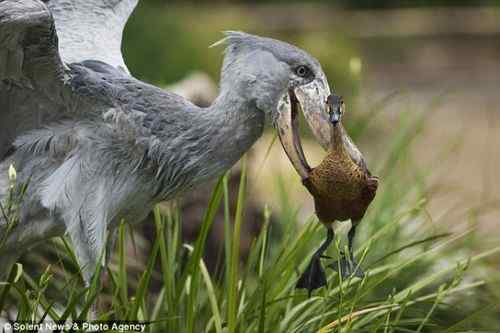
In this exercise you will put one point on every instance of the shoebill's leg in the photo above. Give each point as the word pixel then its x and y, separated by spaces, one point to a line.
pixel 314 276
pixel 350 239
pixel 348 266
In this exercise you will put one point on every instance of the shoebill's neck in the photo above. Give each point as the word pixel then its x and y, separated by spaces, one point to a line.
pixel 236 124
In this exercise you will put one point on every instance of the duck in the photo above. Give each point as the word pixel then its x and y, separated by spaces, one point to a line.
pixel 342 188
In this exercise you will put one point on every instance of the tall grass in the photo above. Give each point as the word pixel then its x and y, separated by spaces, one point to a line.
pixel 419 278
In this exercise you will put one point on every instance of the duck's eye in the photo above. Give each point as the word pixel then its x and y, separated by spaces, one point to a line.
pixel 302 71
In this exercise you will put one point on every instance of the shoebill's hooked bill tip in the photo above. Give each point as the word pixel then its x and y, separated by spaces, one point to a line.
pixel 311 99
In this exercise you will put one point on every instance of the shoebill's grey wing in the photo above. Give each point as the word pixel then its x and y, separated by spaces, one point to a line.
pixel 91 29
pixel 32 74
pixel 28 43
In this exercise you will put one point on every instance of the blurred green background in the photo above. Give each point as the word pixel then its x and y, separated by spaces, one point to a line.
pixel 374 4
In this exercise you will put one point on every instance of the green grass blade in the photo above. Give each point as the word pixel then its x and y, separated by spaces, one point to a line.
pixel 142 289
pixel 227 229
pixel 122 264
pixel 15 274
pixel 235 254
pixel 199 248
pixel 212 297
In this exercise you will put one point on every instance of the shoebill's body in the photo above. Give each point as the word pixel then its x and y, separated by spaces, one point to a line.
pixel 342 188
pixel 98 145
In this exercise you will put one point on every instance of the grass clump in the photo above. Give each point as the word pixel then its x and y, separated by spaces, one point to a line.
pixel 419 278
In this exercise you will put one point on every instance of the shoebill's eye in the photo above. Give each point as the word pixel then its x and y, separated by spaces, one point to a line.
pixel 302 71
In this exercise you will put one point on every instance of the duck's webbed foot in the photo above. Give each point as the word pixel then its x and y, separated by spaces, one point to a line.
pixel 314 276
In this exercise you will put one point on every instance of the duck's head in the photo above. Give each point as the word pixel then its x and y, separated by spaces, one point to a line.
pixel 336 108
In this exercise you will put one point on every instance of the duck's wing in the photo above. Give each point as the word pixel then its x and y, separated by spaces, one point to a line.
pixel 92 29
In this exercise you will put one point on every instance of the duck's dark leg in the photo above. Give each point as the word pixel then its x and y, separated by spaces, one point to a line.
pixel 314 276
pixel 348 266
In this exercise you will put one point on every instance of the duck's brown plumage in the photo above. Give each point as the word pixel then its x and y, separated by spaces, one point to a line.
pixel 342 189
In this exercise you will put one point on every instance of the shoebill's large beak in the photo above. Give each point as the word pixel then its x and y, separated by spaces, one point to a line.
pixel 311 100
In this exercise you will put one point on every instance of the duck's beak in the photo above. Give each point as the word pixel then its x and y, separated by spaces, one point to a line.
pixel 336 105
pixel 311 99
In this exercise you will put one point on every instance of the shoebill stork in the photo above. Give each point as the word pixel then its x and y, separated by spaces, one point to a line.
pixel 97 145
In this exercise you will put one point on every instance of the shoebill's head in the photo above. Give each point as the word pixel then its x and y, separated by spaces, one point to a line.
pixel 280 80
